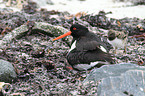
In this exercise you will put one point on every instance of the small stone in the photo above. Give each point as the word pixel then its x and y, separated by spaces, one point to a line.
pixel 75 92
pixel 7 71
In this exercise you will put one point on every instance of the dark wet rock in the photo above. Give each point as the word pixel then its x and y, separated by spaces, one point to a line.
pixel 7 71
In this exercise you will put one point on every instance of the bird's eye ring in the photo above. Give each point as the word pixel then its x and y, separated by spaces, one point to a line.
pixel 74 28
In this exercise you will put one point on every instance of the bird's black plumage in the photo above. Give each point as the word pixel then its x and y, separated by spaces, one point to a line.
pixel 86 57
pixel 88 48
pixel 85 40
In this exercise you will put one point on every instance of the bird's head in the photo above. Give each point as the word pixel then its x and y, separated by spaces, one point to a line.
pixel 76 30
pixel 111 35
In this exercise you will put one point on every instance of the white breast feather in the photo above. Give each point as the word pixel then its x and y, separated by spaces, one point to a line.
pixel 117 43
pixel 73 46
pixel 88 66
pixel 103 49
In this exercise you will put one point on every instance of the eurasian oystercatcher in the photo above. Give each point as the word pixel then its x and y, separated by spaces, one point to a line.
pixel 118 39
pixel 87 50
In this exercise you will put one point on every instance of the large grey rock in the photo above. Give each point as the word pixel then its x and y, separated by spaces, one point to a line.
pixel 119 80
pixel 7 72
pixel 130 83
pixel 111 70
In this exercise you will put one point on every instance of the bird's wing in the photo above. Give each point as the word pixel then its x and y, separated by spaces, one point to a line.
pixel 78 57
pixel 122 35
pixel 97 55
pixel 87 44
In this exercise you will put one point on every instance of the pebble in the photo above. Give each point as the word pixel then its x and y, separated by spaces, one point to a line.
pixel 7 71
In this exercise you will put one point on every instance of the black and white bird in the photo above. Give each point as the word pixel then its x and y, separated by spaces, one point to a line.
pixel 118 39
pixel 87 50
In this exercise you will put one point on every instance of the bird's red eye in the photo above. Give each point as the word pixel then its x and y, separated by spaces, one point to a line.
pixel 74 28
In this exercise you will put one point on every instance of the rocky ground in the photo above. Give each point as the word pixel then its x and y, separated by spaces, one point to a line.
pixel 40 63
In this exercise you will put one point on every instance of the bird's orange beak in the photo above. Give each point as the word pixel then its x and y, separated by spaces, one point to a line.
pixel 61 36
